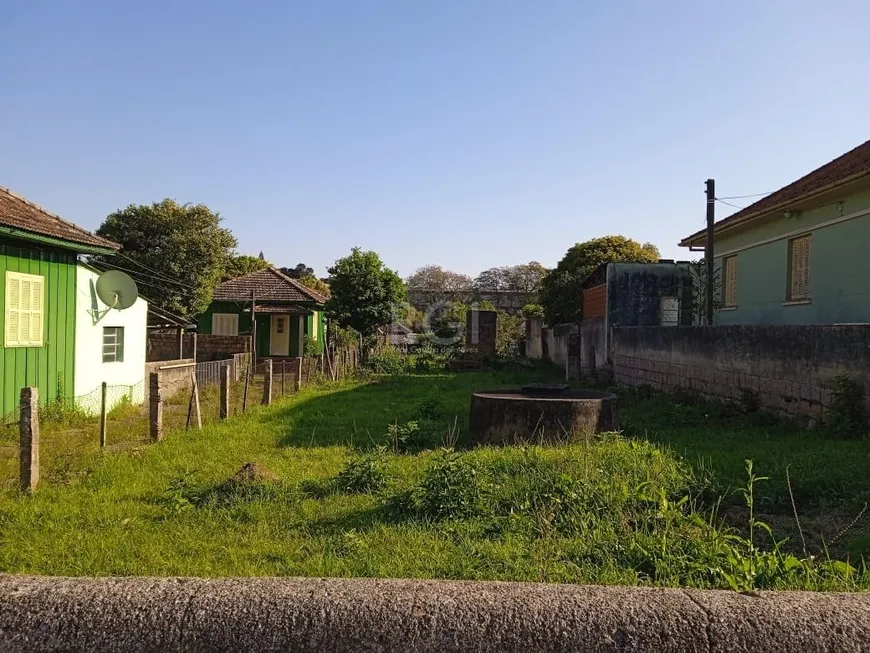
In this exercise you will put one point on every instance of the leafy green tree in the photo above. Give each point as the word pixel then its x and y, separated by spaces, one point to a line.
pixel 365 293
pixel 317 285
pixel 299 272
pixel 241 264
pixel 440 284
pixel 509 329
pixel 560 289
pixel 181 251
pixel 525 279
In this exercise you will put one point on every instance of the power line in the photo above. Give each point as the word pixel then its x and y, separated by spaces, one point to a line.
pixel 743 197
pixel 113 266
pixel 719 199
pixel 162 275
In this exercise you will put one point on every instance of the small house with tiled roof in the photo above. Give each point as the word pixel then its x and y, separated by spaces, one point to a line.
pixel 57 335
pixel 281 313
pixel 799 254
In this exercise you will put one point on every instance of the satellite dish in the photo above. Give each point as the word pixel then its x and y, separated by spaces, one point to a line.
pixel 117 289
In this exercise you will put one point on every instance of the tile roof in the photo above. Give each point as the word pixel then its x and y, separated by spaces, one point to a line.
pixel 853 164
pixel 18 213
pixel 267 285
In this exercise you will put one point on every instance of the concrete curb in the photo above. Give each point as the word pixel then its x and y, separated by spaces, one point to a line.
pixel 308 614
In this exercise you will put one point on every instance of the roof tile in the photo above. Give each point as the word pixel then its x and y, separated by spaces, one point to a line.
pixel 18 213
pixel 854 163
pixel 267 285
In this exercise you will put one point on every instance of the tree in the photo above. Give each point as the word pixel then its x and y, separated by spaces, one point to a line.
pixel 524 279
pixel 439 284
pixel 299 272
pixel 698 271
pixel 241 264
pixel 365 293
pixel 180 249
pixel 317 285
pixel 560 289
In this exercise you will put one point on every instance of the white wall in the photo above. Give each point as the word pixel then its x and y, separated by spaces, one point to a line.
pixel 126 378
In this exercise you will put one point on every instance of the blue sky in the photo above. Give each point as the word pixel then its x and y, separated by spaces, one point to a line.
pixel 467 133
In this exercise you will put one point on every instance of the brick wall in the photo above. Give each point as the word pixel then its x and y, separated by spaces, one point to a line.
pixel 791 368
pixel 595 301
pixel 164 346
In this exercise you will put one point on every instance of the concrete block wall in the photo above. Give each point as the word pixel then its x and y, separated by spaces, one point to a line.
pixel 172 377
pixel 790 368
pixel 164 346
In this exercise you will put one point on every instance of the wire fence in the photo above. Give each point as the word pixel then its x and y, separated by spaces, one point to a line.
pixel 76 433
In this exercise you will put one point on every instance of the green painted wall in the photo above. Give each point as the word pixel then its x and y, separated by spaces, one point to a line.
pixel 839 269
pixel 263 325
pixel 49 367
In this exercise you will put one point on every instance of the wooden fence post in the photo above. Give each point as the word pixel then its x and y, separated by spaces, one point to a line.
pixel 298 374
pixel 193 408
pixel 267 381
pixel 245 393
pixel 103 389
pixel 283 377
pixel 155 421
pixel 225 392
pixel 28 426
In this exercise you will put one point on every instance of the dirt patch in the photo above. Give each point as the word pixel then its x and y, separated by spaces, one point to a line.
pixel 251 474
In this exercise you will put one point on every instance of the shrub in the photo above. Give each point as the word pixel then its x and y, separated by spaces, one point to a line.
pixel 533 310
pixel 388 360
pixel 363 474
pixel 846 416
pixel 451 488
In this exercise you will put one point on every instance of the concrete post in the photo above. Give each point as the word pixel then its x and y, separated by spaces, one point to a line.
pixel 534 346
pixel 28 426
pixel 155 417
pixel 225 392
pixel 298 374
pixel 267 381
pixel 572 364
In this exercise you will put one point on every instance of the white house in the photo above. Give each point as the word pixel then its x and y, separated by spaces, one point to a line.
pixel 109 347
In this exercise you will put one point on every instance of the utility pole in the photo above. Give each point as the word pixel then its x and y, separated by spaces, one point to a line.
pixel 708 250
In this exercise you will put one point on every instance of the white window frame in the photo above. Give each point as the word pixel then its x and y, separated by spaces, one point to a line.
pixel 219 320
pixel 674 311
pixel 34 314
pixel 116 348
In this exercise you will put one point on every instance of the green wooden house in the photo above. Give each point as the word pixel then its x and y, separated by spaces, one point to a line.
pixel 280 312
pixel 798 255
pixel 38 299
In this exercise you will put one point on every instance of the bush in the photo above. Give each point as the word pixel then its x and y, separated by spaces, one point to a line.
pixel 364 474
pixel 846 416
pixel 388 360
pixel 451 488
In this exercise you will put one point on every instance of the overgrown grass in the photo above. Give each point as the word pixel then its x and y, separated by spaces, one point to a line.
pixel 345 487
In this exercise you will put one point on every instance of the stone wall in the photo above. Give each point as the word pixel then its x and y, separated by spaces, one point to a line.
pixel 164 346
pixel 593 344
pixel 557 342
pixel 790 368
pixel 175 375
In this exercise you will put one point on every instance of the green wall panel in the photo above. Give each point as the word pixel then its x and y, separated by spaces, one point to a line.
pixel 839 279
pixel 49 367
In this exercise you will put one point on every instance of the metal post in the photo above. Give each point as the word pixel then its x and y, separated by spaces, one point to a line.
pixel 708 251
pixel 103 389
pixel 28 442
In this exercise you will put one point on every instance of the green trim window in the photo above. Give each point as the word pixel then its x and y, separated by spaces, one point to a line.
pixel 113 344
pixel 24 314
pixel 799 269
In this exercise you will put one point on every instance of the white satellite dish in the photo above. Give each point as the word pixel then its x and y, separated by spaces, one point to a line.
pixel 116 290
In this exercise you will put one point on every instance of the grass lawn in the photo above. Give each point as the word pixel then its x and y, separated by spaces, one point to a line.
pixel 350 481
